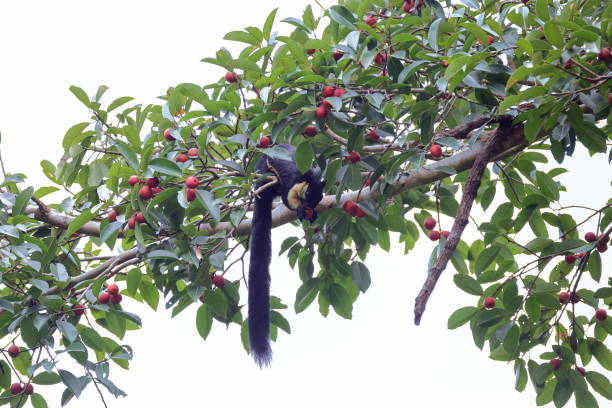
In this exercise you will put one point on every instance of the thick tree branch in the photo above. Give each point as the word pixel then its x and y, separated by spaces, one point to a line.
pixel 472 184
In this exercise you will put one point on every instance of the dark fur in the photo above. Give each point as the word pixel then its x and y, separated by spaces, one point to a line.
pixel 261 245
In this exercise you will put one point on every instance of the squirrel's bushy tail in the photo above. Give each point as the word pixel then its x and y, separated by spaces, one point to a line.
pixel 259 281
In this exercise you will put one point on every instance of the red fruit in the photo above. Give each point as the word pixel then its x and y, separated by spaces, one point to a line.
pixel 328 91
pixel 379 59
pixel 353 157
pixel 180 158
pixel 218 280
pixel 168 136
pixel 602 247
pixel 78 309
pixel 132 223
pixel 112 215
pixel 13 350
pixel 371 20
pixel 445 234
pixel 604 54
pixel 407 6
pixel 103 298
pixel 429 223
pixel 367 182
pixel 192 182
pixel 16 388
pixel 231 77
pixel 359 213
pixel 581 255
pixel 349 207
pixel 491 39
pixel 201 297
pixel 116 298
pixel 140 218
pixel 525 1
pixel 444 63
pixel 568 64
pixel 574 298
pixel 610 98
pixel 372 135
pixel 156 190
pixel 434 235
pixel 447 95
pixel 152 182
pixel 489 302
pixel 601 314
pixel 604 239
pixel 29 389
pixel 435 150
pixel 310 131
pixel 339 92
pixel 308 213
pixel 321 112
pixel 145 192
pixel 556 363
pixel 581 370
pixel 590 237
pixel 570 259
pixel 112 289
pixel 310 51
pixel 133 180
pixel 264 142
pixel 564 297
pixel 337 55
pixel 191 194
pixel 193 152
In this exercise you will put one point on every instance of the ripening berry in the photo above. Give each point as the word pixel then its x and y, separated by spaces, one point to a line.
pixel 604 239
pixel 570 259
pixel 29 389
pixel 371 21
pixel 445 234
pixel 601 314
pixel 359 213
pixel 328 91
pixel 202 297
pixel 78 309
pixel 429 223
pixel 13 350
pixel 337 55
pixel 556 363
pixel 140 218
pixel 564 297
pixel 602 247
pixel 310 51
pixel 112 289
pixel 191 182
pixel 568 64
pixel 133 180
pixel 156 190
pixel 112 215
pixel 116 298
pixel 145 192
pixel 16 388
pixel 581 370
pixel 434 235
pixel 590 237
pixel 604 54
pixel 435 150
pixel 193 152
pixel 339 92
pixel 349 207
pixel 168 136
pixel 103 298
pixel 491 39
pixel 321 112
pixel 372 135
pixel 310 131
pixel 191 194
pixel 231 77
pixel 180 158
pixel 407 6
pixel 218 280
pixel 152 182
pixel 581 255
pixel 379 59
pixel 353 157
pixel 131 223
pixel 489 302
pixel 264 142
pixel 444 63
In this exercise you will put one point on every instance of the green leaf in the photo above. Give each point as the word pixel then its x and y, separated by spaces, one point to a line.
pixel 72 134
pixel 204 321
pixel 468 284
pixel 81 95
pixel 79 221
pixel 547 185
pixel 340 300
pixel 486 258
pixel 134 277
pixel 118 102
pixel 165 166
pixel 241 36
pixel 360 275
pixel 461 316
pixel 306 294
pixel 602 354
pixel 600 383
pixel 67 329
pixel 304 156
pixel 38 401
pixel 584 399
pixel 45 378
pixel 279 321
pixel 22 200
pixel 208 200
pixel 342 16
pixel 149 293
pixel 217 302
pixel 562 393
pixel 71 381
pixel 553 35
pixel 128 154
pixel 267 28
pixel 594 266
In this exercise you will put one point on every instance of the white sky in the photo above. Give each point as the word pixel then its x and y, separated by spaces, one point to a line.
pixel 139 48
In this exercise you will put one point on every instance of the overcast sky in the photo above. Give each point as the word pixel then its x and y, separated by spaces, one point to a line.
pixel 379 358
